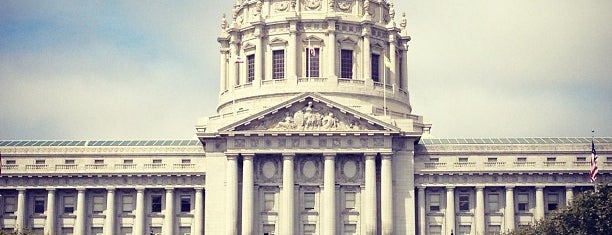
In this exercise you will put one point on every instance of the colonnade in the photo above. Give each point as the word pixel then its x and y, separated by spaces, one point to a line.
pixel 287 213
pixel 479 210
pixel 110 224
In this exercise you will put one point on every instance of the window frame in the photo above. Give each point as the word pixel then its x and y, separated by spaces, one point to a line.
pixel 464 202
pixel 346 63
pixel 10 204
pixel 182 205
pixel 156 203
pixel 68 204
pixel 129 203
pixel 278 64
pixel 375 67
pixel 434 205
pixel 522 203
pixel 250 68
pixel 39 204
pixel 309 204
pixel 313 63
pixel 101 204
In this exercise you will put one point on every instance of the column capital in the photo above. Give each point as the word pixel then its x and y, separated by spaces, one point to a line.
pixel 539 187
pixel 50 189
pixel 330 156
pixel 569 187
pixel 21 189
pixel 81 189
pixel 288 156
pixel 231 156
pixel 110 189
pixel 199 189
pixel 421 187
pixel 370 156
pixel 169 189
pixel 510 187
pixel 386 156
pixel 247 156
pixel 450 188
pixel 139 189
pixel 479 187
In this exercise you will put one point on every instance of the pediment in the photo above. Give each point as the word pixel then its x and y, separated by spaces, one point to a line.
pixel 310 112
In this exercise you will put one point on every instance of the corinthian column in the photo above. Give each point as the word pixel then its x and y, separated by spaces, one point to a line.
pixel 386 194
pixel 20 222
pixel 231 190
pixel 50 220
pixel 199 212
pixel 450 209
pixel 169 212
pixel 109 221
pixel 370 188
pixel 80 222
pixel 539 203
pixel 288 214
pixel 247 194
pixel 480 210
pixel 422 214
pixel 509 211
pixel 139 217
pixel 329 186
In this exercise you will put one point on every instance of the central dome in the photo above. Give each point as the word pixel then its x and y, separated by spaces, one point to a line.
pixel 350 51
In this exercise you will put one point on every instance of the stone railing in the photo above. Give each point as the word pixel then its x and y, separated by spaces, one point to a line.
pixel 66 167
pixel 36 167
pixel 510 166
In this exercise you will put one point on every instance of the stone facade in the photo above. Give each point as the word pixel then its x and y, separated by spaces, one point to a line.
pixel 314 134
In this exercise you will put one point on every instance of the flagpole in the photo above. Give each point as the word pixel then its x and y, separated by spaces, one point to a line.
pixel 308 65
pixel 385 89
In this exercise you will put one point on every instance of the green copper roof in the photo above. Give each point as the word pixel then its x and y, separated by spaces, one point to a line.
pixel 140 143
pixel 545 140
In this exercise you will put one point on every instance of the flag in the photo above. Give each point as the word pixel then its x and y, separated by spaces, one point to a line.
pixel 594 169
pixel 239 60
pixel 0 163
pixel 311 49
pixel 387 62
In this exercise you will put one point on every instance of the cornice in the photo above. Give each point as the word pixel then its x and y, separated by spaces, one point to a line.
pixel 102 150
pixel 509 148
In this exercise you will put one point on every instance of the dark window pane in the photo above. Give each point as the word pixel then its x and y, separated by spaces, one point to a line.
pixel 250 68
pixel 346 64
pixel 185 204
pixel 312 64
pixel 278 64
pixel 39 206
pixel 156 203
pixel 375 68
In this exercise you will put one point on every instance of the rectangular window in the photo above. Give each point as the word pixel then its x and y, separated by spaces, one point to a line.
pixel 269 201
pixel 69 204
pixel 157 161
pixel 523 202
pixel 11 162
pixel 434 159
pixel 435 229
pixel 434 202
pixel 185 203
pixel 551 159
pixel 346 64
pixel 40 162
pixel 552 201
pixel 312 62
pixel 10 204
pixel 278 64
pixel 375 67
pixel 98 161
pixel 69 161
pixel 97 231
pixel 125 230
pixel 350 229
pixel 464 202
pixel 493 203
pixel 127 203
pixel 581 159
pixel 186 161
pixel 349 200
pixel 39 205
pixel 521 159
pixel 310 229
pixel 464 230
pixel 269 229
pixel 128 161
pixel 463 159
pixel 309 201
pixel 494 230
pixel 184 230
pixel 67 231
pixel 155 230
pixel 98 204
pixel 156 203
pixel 250 68
pixel 492 159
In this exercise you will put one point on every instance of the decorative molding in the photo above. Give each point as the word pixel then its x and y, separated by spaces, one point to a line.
pixel 103 181
pixel 311 5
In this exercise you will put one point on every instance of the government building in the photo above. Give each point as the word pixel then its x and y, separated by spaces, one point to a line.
pixel 314 134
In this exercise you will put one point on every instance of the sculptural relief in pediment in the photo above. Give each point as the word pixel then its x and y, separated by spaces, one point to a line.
pixel 309 115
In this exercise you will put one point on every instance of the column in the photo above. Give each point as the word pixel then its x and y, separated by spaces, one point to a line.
pixel 393 58
pixel 539 203
pixel 509 210
pixel 233 66
pixel 247 194
pixel 370 197
pixel 50 220
pixel 287 226
pixel 332 49
pixel 404 67
pixel 569 195
pixel 367 53
pixel 20 222
pixel 422 215
pixel 198 225
pixel 109 221
pixel 231 191
pixel 450 210
pixel 329 186
pixel 480 210
pixel 386 194
pixel 259 56
pixel 223 71
pixel 169 213
pixel 292 54
pixel 80 221
pixel 139 226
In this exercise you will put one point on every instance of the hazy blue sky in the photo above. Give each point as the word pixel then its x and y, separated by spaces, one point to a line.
pixel 148 69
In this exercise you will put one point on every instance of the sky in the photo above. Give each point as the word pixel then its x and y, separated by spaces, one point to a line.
pixel 106 70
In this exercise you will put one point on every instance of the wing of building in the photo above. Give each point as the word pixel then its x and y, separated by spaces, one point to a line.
pixel 314 134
